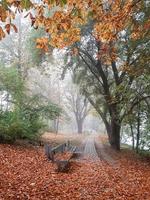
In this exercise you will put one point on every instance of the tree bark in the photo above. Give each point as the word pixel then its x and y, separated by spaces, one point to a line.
pixel 113 129
pixel 138 131
pixel 132 134
pixel 114 137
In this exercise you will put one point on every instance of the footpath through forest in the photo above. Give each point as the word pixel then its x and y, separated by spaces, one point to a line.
pixel 101 174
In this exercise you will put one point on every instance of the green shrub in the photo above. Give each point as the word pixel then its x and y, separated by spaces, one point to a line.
pixel 15 126
pixel 23 118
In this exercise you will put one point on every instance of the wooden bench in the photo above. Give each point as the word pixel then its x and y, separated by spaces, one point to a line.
pixel 50 152
pixel 62 164
pixel 72 149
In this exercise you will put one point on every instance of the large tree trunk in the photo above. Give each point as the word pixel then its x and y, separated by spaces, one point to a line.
pixel 113 132
pixel 108 128
pixel 114 137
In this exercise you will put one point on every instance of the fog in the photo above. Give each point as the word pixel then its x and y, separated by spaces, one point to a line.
pixel 42 75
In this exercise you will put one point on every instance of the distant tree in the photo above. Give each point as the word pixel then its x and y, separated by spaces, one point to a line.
pixel 78 105
pixel 13 48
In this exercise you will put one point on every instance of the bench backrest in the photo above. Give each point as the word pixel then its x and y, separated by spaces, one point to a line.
pixel 50 152
pixel 59 148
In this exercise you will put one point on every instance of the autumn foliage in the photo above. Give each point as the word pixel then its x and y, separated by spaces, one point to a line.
pixel 65 18
pixel 27 174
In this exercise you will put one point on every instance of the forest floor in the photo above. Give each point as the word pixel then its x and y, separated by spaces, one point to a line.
pixel 25 173
pixel 55 139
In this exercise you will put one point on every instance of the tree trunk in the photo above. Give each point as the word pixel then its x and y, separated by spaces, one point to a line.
pixel 80 126
pixel 56 125
pixel 108 129
pixel 113 132
pixel 138 132
pixel 132 134
pixel 114 138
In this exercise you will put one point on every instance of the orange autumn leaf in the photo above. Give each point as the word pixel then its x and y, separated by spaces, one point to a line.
pixel 15 28
pixel 2 34
pixel 3 14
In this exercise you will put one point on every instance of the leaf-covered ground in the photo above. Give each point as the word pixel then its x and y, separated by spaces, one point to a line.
pixel 25 173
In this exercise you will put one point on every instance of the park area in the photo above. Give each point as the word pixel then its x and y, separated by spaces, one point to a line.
pixel 26 173
pixel 75 99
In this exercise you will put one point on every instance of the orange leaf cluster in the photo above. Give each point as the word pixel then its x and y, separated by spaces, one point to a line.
pixel 42 43
pixel 3 14
pixel 62 20
pixel 64 25
pixel 111 22
pixel 7 14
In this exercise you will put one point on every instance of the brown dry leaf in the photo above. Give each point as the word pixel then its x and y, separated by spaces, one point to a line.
pixel 15 28
pixel 2 34
pixel 7 28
